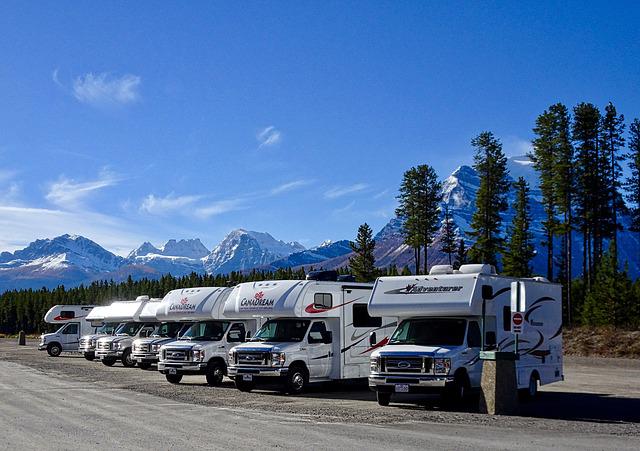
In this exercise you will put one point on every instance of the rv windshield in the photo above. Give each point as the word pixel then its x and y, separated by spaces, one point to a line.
pixel 206 331
pixel 430 332
pixel 166 330
pixel 282 330
pixel 107 328
pixel 128 329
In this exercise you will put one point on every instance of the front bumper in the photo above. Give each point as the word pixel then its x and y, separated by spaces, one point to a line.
pixel 182 366
pixel 417 383
pixel 257 371
pixel 145 356
pixel 103 354
pixel 86 348
pixel 42 346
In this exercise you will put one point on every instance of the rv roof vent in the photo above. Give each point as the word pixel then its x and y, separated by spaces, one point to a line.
pixel 346 278
pixel 540 279
pixel 324 276
pixel 478 269
pixel 142 298
pixel 441 269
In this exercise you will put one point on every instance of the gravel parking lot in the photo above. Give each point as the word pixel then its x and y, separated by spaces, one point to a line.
pixel 598 404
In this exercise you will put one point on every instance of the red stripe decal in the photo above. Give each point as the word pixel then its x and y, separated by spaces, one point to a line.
pixel 311 309
pixel 383 342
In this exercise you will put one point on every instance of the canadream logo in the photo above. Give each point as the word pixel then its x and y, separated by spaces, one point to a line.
pixel 183 306
pixel 414 288
pixel 257 301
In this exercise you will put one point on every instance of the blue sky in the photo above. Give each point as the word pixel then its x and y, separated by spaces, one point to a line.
pixel 135 121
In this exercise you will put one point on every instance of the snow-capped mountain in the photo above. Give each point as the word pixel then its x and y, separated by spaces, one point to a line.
pixel 325 251
pixel 242 250
pixel 192 248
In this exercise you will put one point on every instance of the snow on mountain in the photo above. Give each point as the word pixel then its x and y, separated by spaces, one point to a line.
pixel 325 251
pixel 178 258
pixel 185 248
pixel 241 250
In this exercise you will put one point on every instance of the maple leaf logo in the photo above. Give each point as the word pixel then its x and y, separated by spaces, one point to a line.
pixel 184 301
pixel 259 295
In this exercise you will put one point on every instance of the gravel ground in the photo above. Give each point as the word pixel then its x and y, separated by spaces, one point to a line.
pixel 599 396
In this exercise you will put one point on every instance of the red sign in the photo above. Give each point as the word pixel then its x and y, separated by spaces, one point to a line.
pixel 517 319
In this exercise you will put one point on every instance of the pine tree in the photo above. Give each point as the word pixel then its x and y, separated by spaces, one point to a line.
pixel 448 233
pixel 520 250
pixel 363 263
pixel 461 255
pixel 491 201
pixel 632 183
pixel 419 199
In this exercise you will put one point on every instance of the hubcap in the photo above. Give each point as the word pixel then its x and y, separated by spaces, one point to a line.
pixel 533 387
pixel 298 380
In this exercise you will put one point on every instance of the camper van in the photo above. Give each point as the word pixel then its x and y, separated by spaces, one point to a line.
pixel 87 343
pixel 145 350
pixel 316 330
pixel 74 324
pixel 448 317
pixel 203 348
pixel 118 346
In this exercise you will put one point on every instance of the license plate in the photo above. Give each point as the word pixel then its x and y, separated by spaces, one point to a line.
pixel 402 388
pixel 247 377
pixel 172 371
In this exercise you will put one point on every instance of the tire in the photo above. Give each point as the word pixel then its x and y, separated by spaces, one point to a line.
pixel 108 361
pixel 244 386
pixel 174 378
pixel 127 361
pixel 90 356
pixel 215 373
pixel 531 392
pixel 383 398
pixel 297 380
pixel 144 365
pixel 457 392
pixel 54 349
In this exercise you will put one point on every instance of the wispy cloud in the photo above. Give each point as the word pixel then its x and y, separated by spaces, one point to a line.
pixel 105 89
pixel 161 206
pixel 268 137
pixel 219 207
pixel 340 191
pixel 381 194
pixel 345 209
pixel 285 187
pixel 515 146
pixel 67 193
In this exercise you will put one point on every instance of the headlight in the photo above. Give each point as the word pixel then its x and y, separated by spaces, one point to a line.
pixel 277 358
pixel 155 348
pixel 375 364
pixel 119 345
pixel 93 342
pixel 441 366
pixel 232 356
pixel 198 355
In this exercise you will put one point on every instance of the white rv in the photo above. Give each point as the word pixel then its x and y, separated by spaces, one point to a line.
pixel 73 319
pixel 87 343
pixel 437 344
pixel 316 331
pixel 118 346
pixel 145 350
pixel 203 348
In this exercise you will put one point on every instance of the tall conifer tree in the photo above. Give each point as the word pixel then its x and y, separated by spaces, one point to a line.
pixel 632 183
pixel 448 235
pixel 363 263
pixel 520 250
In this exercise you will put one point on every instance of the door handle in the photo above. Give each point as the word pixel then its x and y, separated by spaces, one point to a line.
pixel 303 348
pixel 221 347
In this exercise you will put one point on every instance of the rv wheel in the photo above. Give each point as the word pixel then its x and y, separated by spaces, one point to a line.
pixel 144 365
pixel 457 391
pixel 174 378
pixel 127 360
pixel 108 361
pixel 529 393
pixel 215 373
pixel 297 380
pixel 90 356
pixel 383 398
pixel 244 386
pixel 54 349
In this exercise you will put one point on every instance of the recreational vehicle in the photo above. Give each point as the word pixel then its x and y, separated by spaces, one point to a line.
pixel 118 346
pixel 316 330
pixel 203 348
pixel 448 317
pixel 87 343
pixel 145 350
pixel 74 324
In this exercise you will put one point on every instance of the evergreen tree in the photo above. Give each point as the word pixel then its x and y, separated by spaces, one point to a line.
pixel 362 264
pixel 405 271
pixel 520 250
pixel 491 165
pixel 448 233
pixel 461 255
pixel 632 183
pixel 419 199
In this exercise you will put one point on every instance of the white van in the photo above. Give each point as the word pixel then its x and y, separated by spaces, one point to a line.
pixel 437 344
pixel 118 346
pixel 203 348
pixel 73 319
pixel 316 331
pixel 87 343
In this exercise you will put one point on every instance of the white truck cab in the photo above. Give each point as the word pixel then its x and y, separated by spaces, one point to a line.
pixel 203 348
pixel 316 330
pixel 116 347
pixel 436 346
pixel 74 324
pixel 87 343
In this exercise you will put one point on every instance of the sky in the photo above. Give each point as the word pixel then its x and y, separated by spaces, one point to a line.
pixel 145 121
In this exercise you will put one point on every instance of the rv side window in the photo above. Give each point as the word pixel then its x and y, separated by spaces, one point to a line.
pixel 506 318
pixel 361 317
pixel 67 314
pixel 71 329
pixel 322 300
pixel 317 332
pixel 236 333
pixel 473 335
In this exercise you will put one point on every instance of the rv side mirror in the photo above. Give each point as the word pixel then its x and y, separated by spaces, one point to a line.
pixel 327 337
pixel 487 292
pixel 248 335
pixel 490 340
pixel 372 339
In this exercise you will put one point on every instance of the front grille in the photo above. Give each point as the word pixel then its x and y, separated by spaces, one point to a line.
pixel 142 347
pixel 104 345
pixel 177 354
pixel 253 358
pixel 407 364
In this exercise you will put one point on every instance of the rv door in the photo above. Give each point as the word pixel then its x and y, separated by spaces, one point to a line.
pixel 319 349
pixel 70 336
